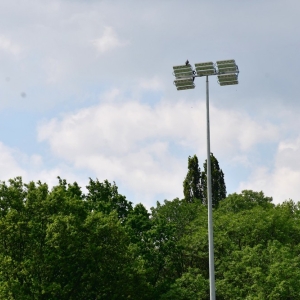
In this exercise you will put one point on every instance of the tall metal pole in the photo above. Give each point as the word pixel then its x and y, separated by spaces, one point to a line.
pixel 209 204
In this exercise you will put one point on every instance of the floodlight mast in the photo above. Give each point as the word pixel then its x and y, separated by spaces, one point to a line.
pixel 211 259
pixel 227 72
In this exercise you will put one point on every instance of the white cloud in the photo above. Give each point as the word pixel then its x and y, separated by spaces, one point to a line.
pixel 282 181
pixel 9 46
pixel 233 130
pixel 55 70
pixel 133 143
pixel 14 163
pixel 9 167
pixel 154 83
pixel 108 41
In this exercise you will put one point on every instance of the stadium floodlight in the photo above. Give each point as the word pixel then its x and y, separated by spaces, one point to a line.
pixel 207 68
pixel 227 72
pixel 184 83
pixel 227 66
pixel 229 79
pixel 183 71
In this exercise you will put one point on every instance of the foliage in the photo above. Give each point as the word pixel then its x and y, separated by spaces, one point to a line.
pixel 218 187
pixel 104 197
pixel 64 244
pixel 195 182
pixel 54 247
pixel 192 188
pixel 190 286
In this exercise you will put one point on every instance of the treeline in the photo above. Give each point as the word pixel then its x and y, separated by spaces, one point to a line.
pixel 63 244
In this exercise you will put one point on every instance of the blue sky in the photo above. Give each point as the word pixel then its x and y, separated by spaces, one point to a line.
pixel 86 90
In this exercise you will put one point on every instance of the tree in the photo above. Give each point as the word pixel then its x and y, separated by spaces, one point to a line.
pixel 260 272
pixel 63 244
pixel 190 286
pixel 218 186
pixel 246 200
pixel 137 223
pixel 57 245
pixel 192 188
pixel 105 197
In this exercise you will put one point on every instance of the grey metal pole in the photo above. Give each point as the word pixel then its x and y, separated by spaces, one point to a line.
pixel 209 204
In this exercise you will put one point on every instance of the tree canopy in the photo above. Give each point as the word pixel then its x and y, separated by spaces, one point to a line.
pixel 192 188
pixel 195 182
pixel 218 187
pixel 66 244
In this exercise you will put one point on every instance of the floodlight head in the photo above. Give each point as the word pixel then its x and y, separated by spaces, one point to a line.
pixel 183 71
pixel 227 66
pixel 228 79
pixel 204 69
pixel 184 83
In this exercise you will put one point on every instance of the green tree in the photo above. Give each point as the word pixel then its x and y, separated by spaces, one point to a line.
pixel 137 223
pixel 192 188
pixel 63 244
pixel 218 186
pixel 190 286
pixel 104 197
pixel 53 246
pixel 261 272
pixel 245 201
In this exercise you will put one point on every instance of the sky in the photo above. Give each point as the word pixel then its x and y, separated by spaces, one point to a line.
pixel 86 91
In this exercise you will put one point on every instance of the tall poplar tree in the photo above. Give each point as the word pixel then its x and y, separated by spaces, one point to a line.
pixel 218 186
pixel 192 188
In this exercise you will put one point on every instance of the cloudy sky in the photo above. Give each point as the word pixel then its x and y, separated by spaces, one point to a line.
pixel 86 90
